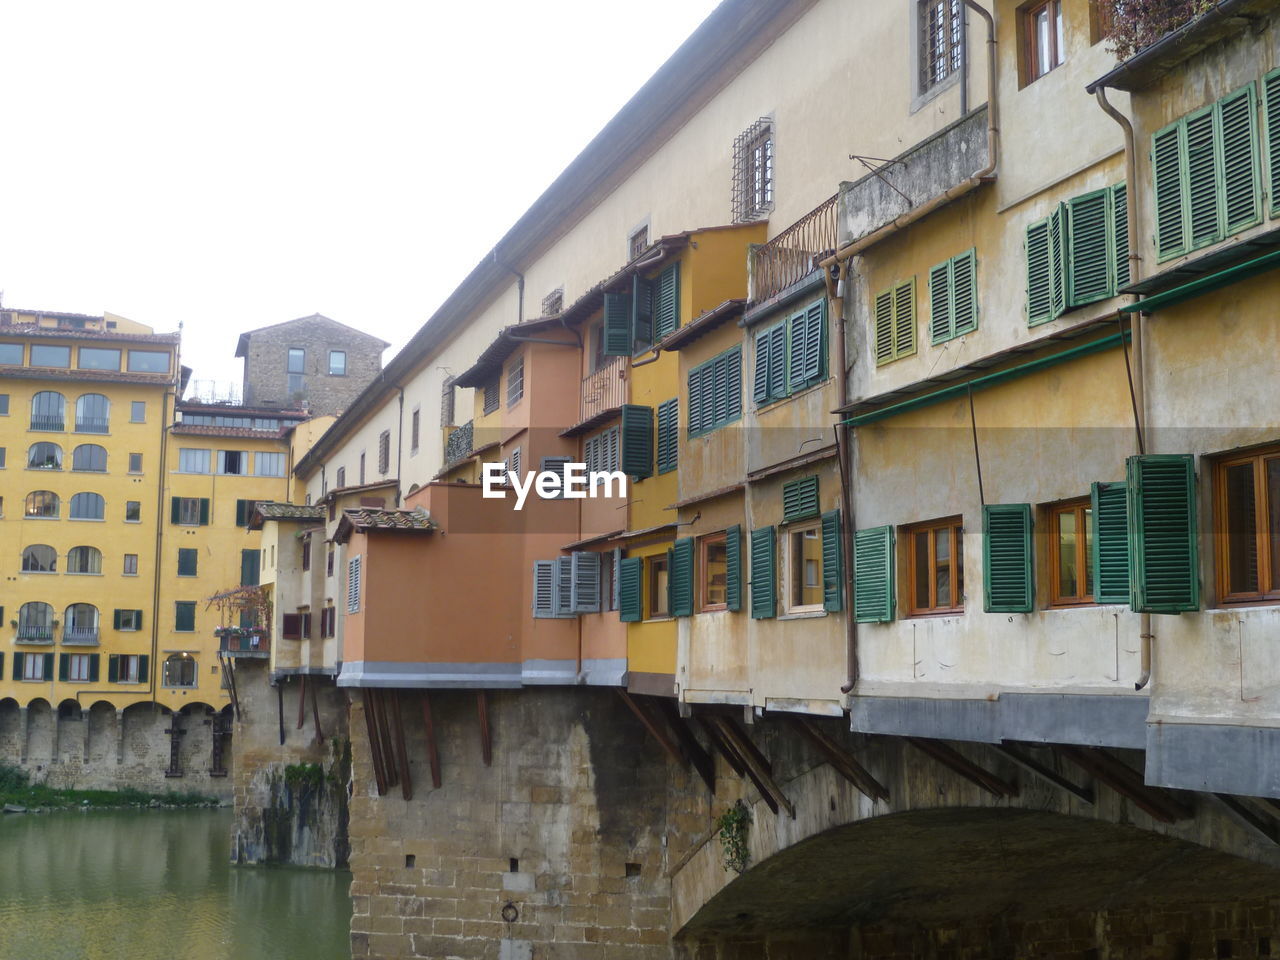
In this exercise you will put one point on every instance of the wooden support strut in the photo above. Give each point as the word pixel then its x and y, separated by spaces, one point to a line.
pixel 1038 769
pixel 718 743
pixel 1127 782
pixel 375 754
pixel 229 675
pixel 957 762
pixel 433 754
pixel 840 759
pixel 402 755
pixel 486 742
pixel 315 713
pixel 756 762
pixel 652 726
pixel 302 700
pixel 280 709
pixel 702 761
pixel 384 738
pixel 119 737
pixel 1263 825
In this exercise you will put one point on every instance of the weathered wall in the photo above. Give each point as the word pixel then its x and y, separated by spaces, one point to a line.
pixel 290 797
pixel 266 380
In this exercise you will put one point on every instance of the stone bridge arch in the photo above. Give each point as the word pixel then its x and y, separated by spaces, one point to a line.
pixel 943 853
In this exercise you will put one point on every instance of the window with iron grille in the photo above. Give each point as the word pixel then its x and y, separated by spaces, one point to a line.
pixel 446 403
pixel 753 171
pixel 515 383
pixel 384 451
pixel 940 23
pixel 553 303
pixel 637 242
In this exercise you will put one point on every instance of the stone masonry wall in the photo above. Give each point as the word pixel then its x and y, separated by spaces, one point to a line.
pixel 266 380
pixel 559 849
pixel 290 798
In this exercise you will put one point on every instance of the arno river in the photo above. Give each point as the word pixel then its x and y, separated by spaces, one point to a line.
pixel 156 885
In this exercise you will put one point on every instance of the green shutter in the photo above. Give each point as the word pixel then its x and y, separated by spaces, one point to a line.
pixel 242 509
pixel 115 620
pixel 666 308
pixel 795 352
pixel 1164 556
pixel 48 666
pixel 1202 178
pixel 64 667
pixel 1166 172
pixel 617 324
pixel 1089 261
pixel 641 311
pixel 832 562
pixel 882 335
pixel 1039 274
pixel 93 667
pixel 630 575
pixel 1058 259
pixel 1110 543
pixel 964 292
pixel 204 511
pixel 733 567
pixel 940 325
pixel 143 661
pixel 904 319
pixel 764 603
pixel 760 377
pixel 1008 586
pixel 184 615
pixel 1238 142
pixel 1271 99
pixel 778 361
pixel 250 568
pixel 18 658
pixel 800 498
pixel 668 435
pixel 137 619
pixel 175 509
pixel 815 341
pixel 113 668
pixel 680 577
pixel 637 441
pixel 873 575
pixel 1120 235
pixel 187 560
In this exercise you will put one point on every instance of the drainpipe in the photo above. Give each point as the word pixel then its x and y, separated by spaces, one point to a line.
pixel 160 522
pixel 836 292
pixel 519 285
pixel 1146 637
pixel 399 444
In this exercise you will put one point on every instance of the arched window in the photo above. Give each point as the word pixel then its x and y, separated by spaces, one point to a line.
pixel 90 458
pixel 81 624
pixel 39 558
pixel 93 413
pixel 87 506
pixel 42 503
pixel 84 560
pixel 44 456
pixel 35 622
pixel 48 411
pixel 179 671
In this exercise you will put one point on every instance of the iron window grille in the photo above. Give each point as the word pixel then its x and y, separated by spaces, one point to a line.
pixel 941 33
pixel 753 171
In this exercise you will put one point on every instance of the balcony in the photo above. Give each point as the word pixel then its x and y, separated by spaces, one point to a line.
pixel 793 254
pixel 459 445
pixel 50 423
pixel 604 390
pixel 239 642
pixel 29 633
pixel 92 425
pixel 80 636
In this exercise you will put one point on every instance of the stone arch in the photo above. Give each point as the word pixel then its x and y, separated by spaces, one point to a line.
pixel 41 717
pixel 104 732
pixel 143 755
pixel 10 730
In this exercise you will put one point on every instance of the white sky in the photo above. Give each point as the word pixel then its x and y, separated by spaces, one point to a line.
pixel 236 164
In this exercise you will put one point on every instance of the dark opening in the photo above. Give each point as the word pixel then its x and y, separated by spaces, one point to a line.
pixel 514 865
pixel 1092 954
pixel 1224 949
pixel 1264 946
pixel 633 869
pixel 410 859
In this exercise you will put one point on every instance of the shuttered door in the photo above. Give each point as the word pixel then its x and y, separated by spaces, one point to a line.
pixel 680 576
pixel 873 575
pixel 1164 559
pixel 1110 543
pixel 630 574
pixel 617 325
pixel 733 567
pixel 763 573
pixel 832 562
pixel 1008 586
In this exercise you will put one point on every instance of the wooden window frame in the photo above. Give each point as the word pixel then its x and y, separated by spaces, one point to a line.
pixel 704 567
pixel 651 567
pixel 1084 551
pixel 1262 537
pixel 788 574
pixel 955 528
pixel 1027 46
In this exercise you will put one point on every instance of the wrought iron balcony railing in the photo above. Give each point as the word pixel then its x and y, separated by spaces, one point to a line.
pixel 34 634
pixel 604 389
pixel 44 422
pixel 86 636
pixel 92 425
pixel 794 253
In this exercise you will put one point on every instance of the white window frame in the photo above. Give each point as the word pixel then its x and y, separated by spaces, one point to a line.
pixel 78 667
pixel 789 533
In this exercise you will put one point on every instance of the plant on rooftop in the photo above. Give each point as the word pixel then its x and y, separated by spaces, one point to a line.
pixel 1133 25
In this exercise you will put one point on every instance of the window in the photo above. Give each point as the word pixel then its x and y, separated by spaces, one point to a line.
pixel 133 511
pixel 93 413
pixel 191 460
pixel 138 411
pixel 11 354
pixel 268 464
pixel 415 422
pixel 42 503
pixel 39 558
pixel 128 620
pixel 88 506
pixel 1078 254
pixel 81 624
pixel 953 297
pixel 633 322
pixel 148 361
pixel 353 585
pixel 187 561
pixel 78 667
pixel 184 616
pixel 802 590
pixel 600 453
pixel 658 579
pixel 791 355
pixel 135 463
pixel 340 479
pixel 515 383
pixel 189 511
pixel 936 567
pixel 553 302
pixel 715 392
pixel 337 363
pixel 448 395
pixel 233 462
pixel 33 666
pixel 328 563
pixel 297 360
pixel 305 546
pixel 99 358
pixel 2 457
pixel 1070 527
pixel 715 572
pixel 35 622
pixel 361 468
pixel 127 667
pixel 1247 527
pixel 46 356
pixel 941 26
pixel 48 411
pixel 89 458
pixel 637 243
pixel 1043 48
pixel 179 671
pixel 753 171
pixel 491 401
pixel 384 452
pixel 1205 168
pixel 130 565
pixel 84 560
pixel 894 319
pixel 668 435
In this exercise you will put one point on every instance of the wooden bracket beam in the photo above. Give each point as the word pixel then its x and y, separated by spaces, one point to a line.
pixel 958 763
pixel 486 741
pixel 384 736
pixel 840 759
pixel 315 713
pixel 1263 825
pixel 375 748
pixel 689 745
pixel 1036 768
pixel 302 700
pixel 718 743
pixel 1127 782
pixel 402 754
pixel 652 726
pixel 756 763
pixel 433 754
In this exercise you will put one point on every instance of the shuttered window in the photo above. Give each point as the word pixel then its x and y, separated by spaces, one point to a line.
pixel 1271 100
pixel 586 592
pixel 251 567
pixel 637 441
pixel 807 346
pixel 894 320
pixel 184 615
pixel 953 297
pixel 1007 583
pixel 353 584
pixel 764 573
pixel 668 435
pixel 187 559
pixel 189 511
pixel 556 465
pixel 715 392
pixel 733 567
pixel 630 577
pixel 800 499
pixel 600 453
pixel 617 324
pixel 873 575
pixel 544 589
pixel 1110 543
pixel 832 562
pixel 1079 254
pixel 666 305
pixel 769 381
pixel 680 578
pixel 1206 174
pixel 1164 558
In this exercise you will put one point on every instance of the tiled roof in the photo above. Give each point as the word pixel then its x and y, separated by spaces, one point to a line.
pixel 238 410
pixel 365 519
pixel 210 430
pixel 88 376
pixel 242 345
pixel 62 333
pixel 289 511
pixel 503 345
pixel 358 488
pixel 704 323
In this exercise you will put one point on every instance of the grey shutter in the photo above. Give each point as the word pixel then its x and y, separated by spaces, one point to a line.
pixel 556 465
pixel 586 582
pixel 563 602
pixel 543 589
pixel 617 571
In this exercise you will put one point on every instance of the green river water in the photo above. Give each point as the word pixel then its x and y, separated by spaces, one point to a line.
pixel 156 885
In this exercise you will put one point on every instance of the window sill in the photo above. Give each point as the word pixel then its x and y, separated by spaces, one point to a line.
pixel 716 608
pixel 802 615
pixel 662 619
pixel 934 614
pixel 88 519
pixel 73 573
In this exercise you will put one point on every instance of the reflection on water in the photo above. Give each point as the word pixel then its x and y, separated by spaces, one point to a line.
pixel 156 885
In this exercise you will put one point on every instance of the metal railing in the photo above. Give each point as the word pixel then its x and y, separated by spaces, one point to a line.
pixel 604 389
pixel 43 422
pixel 92 425
pixel 250 644
pixel 27 633
pixel 794 253
pixel 80 635
pixel 459 444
